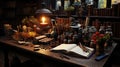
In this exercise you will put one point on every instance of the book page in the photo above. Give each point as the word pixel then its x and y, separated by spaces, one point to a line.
pixel 40 37
pixel 79 51
pixel 66 47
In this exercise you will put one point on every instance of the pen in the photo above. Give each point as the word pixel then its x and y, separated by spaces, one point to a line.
pixel 83 48
pixel 63 56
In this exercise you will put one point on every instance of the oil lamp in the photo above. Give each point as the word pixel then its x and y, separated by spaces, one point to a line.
pixel 43 15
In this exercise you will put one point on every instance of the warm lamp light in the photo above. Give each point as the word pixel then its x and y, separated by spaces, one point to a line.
pixel 43 15
pixel 43 21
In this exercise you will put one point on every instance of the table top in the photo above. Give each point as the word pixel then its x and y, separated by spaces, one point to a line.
pixel 91 62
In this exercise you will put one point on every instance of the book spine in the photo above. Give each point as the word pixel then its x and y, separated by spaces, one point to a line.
pixel 95 12
pixel 90 10
pixel 118 9
pixel 114 9
pixel 115 29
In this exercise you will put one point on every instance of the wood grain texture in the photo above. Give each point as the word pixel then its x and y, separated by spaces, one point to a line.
pixel 53 57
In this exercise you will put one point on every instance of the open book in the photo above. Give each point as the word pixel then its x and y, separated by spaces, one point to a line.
pixel 75 49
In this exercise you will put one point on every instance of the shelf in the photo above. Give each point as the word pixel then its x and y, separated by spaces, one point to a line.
pixel 107 17
pixel 98 16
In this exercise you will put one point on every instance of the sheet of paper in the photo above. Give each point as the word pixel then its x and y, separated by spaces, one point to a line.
pixel 79 51
pixel 64 47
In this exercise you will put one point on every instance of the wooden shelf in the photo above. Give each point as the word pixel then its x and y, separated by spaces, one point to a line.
pixel 105 17
pixel 114 17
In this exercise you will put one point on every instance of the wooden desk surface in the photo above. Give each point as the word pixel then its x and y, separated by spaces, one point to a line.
pixel 91 62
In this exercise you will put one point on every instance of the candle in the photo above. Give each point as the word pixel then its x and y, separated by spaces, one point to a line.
pixel 43 21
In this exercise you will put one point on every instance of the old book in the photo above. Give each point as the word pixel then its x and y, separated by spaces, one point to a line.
pixel 74 49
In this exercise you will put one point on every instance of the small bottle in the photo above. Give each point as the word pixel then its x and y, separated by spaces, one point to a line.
pixel 92 45
pixel 75 38
pixel 102 29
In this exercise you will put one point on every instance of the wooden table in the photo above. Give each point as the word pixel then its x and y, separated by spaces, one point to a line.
pixel 28 51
